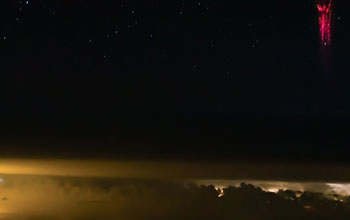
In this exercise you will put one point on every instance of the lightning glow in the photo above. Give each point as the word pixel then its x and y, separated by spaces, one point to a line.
pixel 324 8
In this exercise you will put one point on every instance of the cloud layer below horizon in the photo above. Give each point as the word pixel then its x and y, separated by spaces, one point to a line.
pixel 86 189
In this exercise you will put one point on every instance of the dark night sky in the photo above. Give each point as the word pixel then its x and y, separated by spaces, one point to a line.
pixel 184 79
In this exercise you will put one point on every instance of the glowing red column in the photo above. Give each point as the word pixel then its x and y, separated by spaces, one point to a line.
pixel 325 16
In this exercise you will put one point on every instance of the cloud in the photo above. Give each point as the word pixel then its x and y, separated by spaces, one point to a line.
pixel 57 198
pixel 72 189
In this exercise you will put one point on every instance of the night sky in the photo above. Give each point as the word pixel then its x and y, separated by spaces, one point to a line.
pixel 217 80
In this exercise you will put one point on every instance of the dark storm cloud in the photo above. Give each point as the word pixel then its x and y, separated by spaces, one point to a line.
pixel 165 190
pixel 37 197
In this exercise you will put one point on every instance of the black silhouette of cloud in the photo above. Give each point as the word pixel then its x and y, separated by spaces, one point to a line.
pixel 45 197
